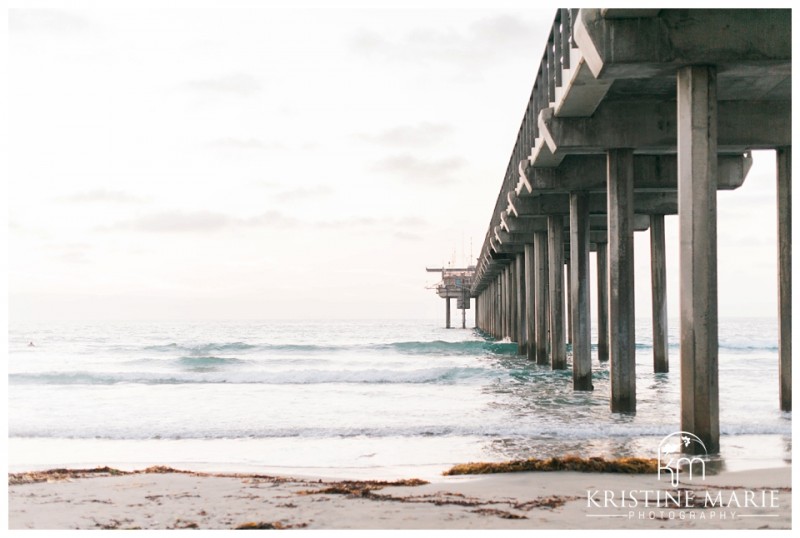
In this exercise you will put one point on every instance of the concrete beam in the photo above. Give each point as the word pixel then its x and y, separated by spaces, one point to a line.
pixel 615 13
pixel 531 224
pixel 645 203
pixel 650 173
pixel 599 235
pixel 651 127
pixel 753 41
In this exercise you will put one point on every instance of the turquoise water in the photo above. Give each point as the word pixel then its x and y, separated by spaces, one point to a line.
pixel 356 398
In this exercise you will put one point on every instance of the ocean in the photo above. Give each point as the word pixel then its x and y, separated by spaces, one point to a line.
pixel 376 399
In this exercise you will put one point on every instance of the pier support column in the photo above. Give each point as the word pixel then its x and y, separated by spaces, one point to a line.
pixel 512 302
pixel 697 213
pixel 622 344
pixel 540 259
pixel 499 302
pixel 530 297
pixel 507 303
pixel 602 301
pixel 490 295
pixel 487 309
pixel 520 287
pixel 555 252
pixel 568 310
pixel 463 318
pixel 579 291
pixel 784 158
pixel 658 277
pixel 498 317
pixel 478 311
pixel 447 313
pixel 504 302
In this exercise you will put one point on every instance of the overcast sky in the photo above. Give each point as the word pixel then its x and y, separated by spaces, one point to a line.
pixel 224 164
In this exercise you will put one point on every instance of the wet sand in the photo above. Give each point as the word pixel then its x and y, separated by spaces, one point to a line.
pixel 527 500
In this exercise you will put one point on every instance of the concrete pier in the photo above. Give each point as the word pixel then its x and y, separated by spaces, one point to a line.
pixel 568 310
pixel 509 308
pixel 447 313
pixel 658 276
pixel 542 277
pixel 530 300
pixel 697 190
pixel 520 302
pixel 478 313
pixel 555 254
pixel 784 165
pixel 512 301
pixel 602 301
pixel 627 122
pixel 621 304
pixel 579 292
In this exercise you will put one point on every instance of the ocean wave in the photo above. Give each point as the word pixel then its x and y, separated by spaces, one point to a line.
pixel 413 347
pixel 443 375
pixel 433 347
pixel 440 347
pixel 202 349
pixel 206 364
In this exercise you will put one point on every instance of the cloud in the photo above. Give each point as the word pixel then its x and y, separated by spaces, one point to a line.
pixel 304 193
pixel 237 84
pixel 434 172
pixel 200 222
pixel 410 222
pixel 482 42
pixel 102 196
pixel 270 219
pixel 244 144
pixel 375 222
pixel 406 236
pixel 48 21
pixel 422 134
pixel 74 254
pixel 209 222
pixel 353 222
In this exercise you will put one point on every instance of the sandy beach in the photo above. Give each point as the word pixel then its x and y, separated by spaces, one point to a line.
pixel 164 499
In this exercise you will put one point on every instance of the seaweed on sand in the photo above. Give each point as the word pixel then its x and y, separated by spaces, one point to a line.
pixel 361 488
pixel 566 463
pixel 54 475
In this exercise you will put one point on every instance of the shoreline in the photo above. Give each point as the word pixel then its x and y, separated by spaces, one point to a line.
pixel 171 499
pixel 349 458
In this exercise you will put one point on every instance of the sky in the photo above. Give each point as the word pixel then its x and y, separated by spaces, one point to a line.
pixel 285 163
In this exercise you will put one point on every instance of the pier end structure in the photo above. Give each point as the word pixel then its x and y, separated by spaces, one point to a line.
pixel 456 284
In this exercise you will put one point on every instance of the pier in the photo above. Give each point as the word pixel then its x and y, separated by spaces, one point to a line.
pixel 636 114
pixel 456 284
